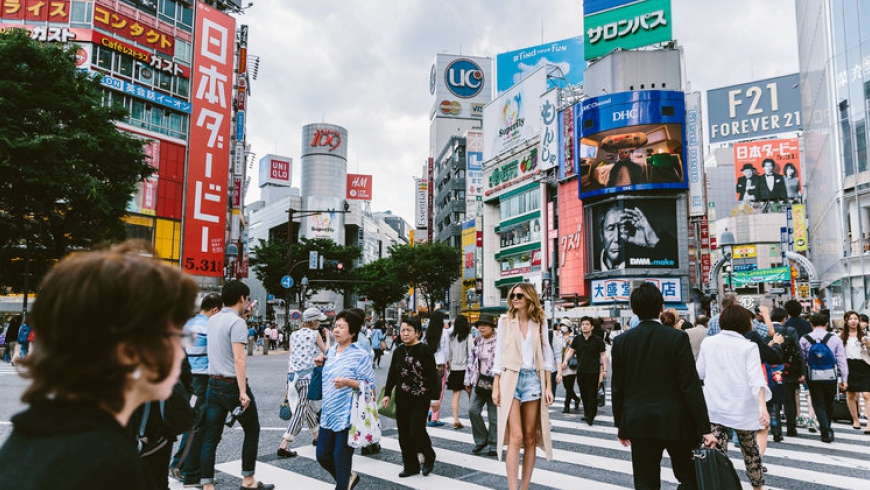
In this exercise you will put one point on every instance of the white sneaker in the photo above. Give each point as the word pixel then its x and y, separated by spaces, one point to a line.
pixel 811 425
pixel 801 422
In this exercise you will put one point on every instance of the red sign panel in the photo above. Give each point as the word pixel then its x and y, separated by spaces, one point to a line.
pixel 768 170
pixel 133 30
pixel 36 10
pixel 209 151
pixel 572 244
pixel 359 187
pixel 279 170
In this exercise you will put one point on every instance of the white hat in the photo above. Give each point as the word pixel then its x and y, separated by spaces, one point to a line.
pixel 313 315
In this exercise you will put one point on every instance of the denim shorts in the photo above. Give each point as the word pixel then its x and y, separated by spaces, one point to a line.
pixel 528 386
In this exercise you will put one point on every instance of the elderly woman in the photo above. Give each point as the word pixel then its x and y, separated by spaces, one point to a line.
pixel 305 344
pixel 521 385
pixel 346 366
pixel 126 311
pixel 478 383
pixel 735 389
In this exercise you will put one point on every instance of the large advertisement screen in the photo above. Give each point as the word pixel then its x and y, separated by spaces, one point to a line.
pixel 752 110
pixel 567 55
pixel 632 141
pixel 634 234
pixel 514 117
pixel 209 151
pixel 632 25
pixel 768 170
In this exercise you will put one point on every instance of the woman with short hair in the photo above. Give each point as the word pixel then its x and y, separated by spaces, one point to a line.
pixel 125 310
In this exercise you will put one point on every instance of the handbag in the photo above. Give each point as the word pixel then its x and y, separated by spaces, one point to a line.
pixel 714 470
pixel 284 411
pixel 365 426
pixel 483 387
pixel 572 363
pixel 315 386
pixel 390 411
pixel 602 396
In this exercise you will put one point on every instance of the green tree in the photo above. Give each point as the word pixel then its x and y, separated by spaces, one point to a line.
pixel 68 172
pixel 378 281
pixel 430 267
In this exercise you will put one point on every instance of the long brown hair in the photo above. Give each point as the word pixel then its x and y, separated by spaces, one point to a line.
pixel 533 310
pixel 844 332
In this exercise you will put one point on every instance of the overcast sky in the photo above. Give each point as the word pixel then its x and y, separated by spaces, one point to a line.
pixel 364 65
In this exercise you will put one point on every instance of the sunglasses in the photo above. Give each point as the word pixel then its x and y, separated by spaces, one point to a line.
pixel 516 296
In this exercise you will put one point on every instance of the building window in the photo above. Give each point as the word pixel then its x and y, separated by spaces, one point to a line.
pixel 80 13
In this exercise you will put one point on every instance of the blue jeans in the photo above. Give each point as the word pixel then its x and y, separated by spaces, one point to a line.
pixel 221 398
pixel 189 462
pixel 335 456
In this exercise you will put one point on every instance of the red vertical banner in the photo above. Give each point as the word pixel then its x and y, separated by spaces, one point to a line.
pixel 209 152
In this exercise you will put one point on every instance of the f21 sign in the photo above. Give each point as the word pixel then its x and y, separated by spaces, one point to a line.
pixel 752 110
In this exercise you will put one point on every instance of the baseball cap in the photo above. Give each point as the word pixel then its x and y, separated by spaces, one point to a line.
pixel 313 315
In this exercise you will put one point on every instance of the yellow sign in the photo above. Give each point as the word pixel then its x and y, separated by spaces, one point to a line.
pixel 744 252
pixel 799 217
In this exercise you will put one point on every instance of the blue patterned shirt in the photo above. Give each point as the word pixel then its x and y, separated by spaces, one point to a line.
pixel 197 354
pixel 354 363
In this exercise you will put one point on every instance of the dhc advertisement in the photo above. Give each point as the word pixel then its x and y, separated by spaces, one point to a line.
pixel 631 141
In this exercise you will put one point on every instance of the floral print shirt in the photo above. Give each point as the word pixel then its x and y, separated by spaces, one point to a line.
pixel 414 376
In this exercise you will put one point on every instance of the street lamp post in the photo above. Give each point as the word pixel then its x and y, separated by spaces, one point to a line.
pixel 232 253
pixel 727 242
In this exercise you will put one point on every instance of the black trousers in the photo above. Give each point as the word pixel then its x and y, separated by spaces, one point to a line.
pixel 646 460
pixel 413 438
pixel 570 394
pixel 588 384
pixel 823 402
pixel 791 411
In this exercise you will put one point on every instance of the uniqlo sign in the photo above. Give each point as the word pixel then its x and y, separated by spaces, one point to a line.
pixel 359 187
pixel 209 151
pixel 279 170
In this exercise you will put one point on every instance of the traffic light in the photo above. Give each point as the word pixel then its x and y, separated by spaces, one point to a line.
pixel 334 265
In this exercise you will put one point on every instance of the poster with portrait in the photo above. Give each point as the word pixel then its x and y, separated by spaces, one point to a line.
pixel 634 234
pixel 768 170
pixel 631 141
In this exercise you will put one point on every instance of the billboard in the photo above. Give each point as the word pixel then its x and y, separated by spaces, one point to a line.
pixel 329 224
pixel 469 249
pixel 460 85
pixel 474 157
pixel 695 156
pixel 549 146
pixel 567 142
pixel 634 234
pixel 632 141
pixel 135 30
pixel 801 233
pixel 359 187
pixel 768 170
pixel 752 110
pixel 421 206
pixel 567 55
pixel 36 10
pixel 274 170
pixel 610 290
pixel 514 116
pixel 209 150
pixel 631 25
pixel 571 258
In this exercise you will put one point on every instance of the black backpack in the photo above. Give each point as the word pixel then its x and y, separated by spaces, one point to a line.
pixel 792 356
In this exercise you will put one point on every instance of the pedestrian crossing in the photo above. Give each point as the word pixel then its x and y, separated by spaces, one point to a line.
pixel 583 457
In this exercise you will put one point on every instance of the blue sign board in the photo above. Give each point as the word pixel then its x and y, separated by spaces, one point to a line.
pixel 567 55
pixel 752 110
pixel 631 141
pixel 286 282
pixel 145 93
pixel 240 126
pixel 270 297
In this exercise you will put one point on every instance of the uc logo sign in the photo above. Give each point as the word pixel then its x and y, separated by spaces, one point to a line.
pixel 464 78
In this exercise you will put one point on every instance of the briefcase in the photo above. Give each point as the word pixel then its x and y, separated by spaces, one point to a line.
pixel 714 470
pixel 840 409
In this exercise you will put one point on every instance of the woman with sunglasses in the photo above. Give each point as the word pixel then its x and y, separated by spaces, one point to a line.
pixel 522 367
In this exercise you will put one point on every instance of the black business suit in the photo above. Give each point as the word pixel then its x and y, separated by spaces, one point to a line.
pixel 658 402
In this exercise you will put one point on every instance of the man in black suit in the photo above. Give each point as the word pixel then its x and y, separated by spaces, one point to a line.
pixel 771 185
pixel 658 403
pixel 747 186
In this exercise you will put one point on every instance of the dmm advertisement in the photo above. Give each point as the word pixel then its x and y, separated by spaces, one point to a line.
pixel 632 141
pixel 768 170
pixel 634 234
pixel 567 55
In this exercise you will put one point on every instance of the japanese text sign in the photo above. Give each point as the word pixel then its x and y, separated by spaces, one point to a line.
pixel 630 26
pixel 35 10
pixel 134 30
pixel 610 290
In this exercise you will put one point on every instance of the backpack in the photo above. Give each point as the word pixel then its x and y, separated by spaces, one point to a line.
pixel 23 333
pixel 821 363
pixel 160 422
pixel 793 360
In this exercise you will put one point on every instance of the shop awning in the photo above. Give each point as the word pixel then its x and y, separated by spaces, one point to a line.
pixel 508 281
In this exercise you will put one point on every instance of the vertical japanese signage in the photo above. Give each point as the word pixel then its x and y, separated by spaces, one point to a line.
pixel 210 133
pixel 695 155
pixel 474 172
pixel 567 142
pixel 549 130
pixel 799 214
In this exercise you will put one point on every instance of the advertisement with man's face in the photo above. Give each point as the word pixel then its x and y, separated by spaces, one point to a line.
pixel 768 170
pixel 632 141
pixel 634 234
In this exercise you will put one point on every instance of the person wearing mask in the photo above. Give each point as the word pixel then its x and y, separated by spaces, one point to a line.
pixel 569 373
pixel 591 367
pixel 439 344
pixel 479 382
pixel 415 378
pixel 346 365
pixel 855 339
pixel 126 310
pixel 305 345
pixel 822 391
pixel 658 402
pixel 460 346
pixel 185 462
pixel 521 384
pixel 735 390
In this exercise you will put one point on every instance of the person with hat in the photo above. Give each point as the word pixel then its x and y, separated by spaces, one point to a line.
pixel 569 372
pixel 478 383
pixel 305 344
pixel 747 186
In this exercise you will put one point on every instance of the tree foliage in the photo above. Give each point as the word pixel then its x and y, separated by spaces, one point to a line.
pixel 429 267
pixel 68 173
pixel 380 284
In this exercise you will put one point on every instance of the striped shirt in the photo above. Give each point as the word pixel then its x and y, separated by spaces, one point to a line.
pixel 354 363
pixel 197 354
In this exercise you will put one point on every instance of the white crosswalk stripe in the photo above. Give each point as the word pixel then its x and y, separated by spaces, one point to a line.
pixel 583 457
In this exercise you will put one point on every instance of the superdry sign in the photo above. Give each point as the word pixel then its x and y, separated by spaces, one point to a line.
pixel 464 78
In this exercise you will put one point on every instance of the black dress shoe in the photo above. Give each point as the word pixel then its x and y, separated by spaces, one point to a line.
pixel 777 438
pixel 791 432
pixel 406 473
pixel 478 449
pixel 491 452
pixel 428 467
pixel 286 453
pixel 588 420
pixel 566 410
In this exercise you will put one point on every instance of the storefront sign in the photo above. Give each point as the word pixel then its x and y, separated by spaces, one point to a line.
pixel 630 26
pixel 134 30
pixel 474 156
pixel 210 133
pixel 464 78
pixel 801 239
pixel 36 10
pixel 744 252
pixel 421 214
pixel 610 290
pixel 515 172
pixel 774 274
pixel 145 93
pixel 752 110
pixel 514 117
pixel 359 187
pixel 156 62
pixel 549 130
